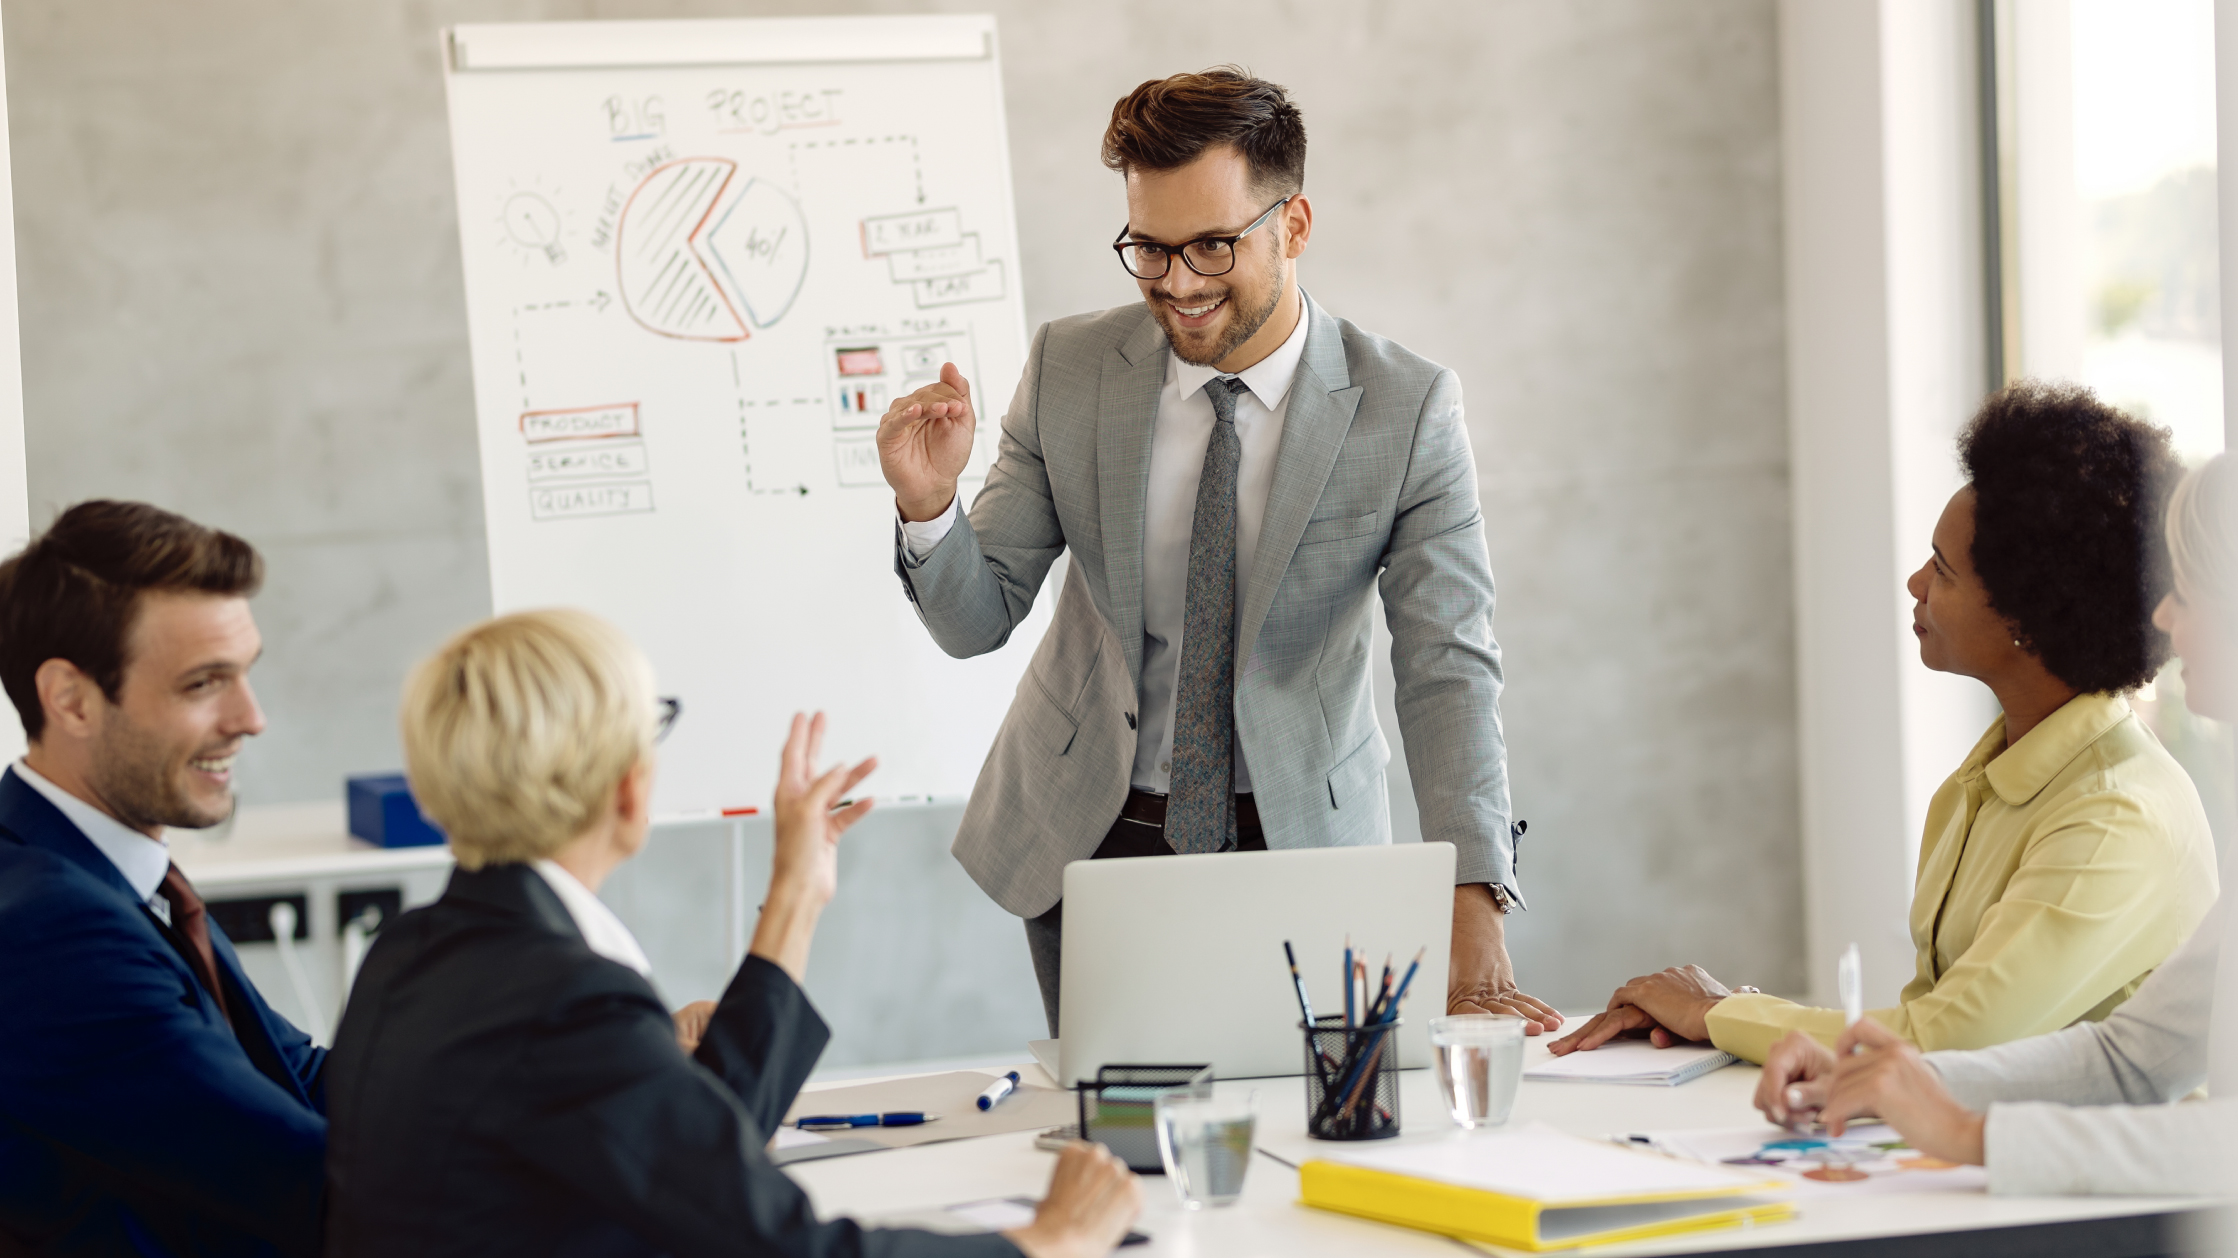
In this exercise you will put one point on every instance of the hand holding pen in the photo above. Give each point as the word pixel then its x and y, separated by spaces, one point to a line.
pixel 1797 1072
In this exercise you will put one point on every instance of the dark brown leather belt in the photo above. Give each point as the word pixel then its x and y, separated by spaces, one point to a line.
pixel 1150 810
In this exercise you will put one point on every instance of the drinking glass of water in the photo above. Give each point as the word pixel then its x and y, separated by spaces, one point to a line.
pixel 1205 1142
pixel 1480 1062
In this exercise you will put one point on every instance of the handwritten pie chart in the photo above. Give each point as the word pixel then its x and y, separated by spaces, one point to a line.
pixel 703 254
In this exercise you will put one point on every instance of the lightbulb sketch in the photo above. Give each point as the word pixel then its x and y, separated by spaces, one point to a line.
pixel 701 254
pixel 533 223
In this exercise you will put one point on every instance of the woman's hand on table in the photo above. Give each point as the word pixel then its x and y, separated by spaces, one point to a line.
pixel 1669 1007
pixel 1093 1199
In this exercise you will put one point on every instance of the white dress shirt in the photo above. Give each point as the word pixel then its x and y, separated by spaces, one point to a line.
pixel 1178 443
pixel 602 930
pixel 143 861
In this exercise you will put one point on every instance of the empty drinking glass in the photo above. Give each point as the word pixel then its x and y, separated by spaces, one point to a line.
pixel 1205 1142
pixel 1480 1062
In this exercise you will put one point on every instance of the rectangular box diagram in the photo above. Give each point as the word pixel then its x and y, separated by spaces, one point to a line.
pixel 576 423
pixel 587 460
pixel 984 284
pixel 924 229
pixel 868 374
pixel 564 502
pixel 858 462
pixel 910 265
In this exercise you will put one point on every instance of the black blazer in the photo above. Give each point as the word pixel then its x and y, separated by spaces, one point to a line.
pixel 497 1088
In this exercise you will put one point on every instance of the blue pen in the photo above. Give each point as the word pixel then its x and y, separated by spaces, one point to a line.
pixel 898 1118
pixel 997 1090
pixel 1348 980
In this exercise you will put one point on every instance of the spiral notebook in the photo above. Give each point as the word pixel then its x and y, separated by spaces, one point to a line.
pixel 1634 1062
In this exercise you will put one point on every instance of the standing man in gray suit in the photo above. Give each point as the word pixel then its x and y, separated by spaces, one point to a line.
pixel 1235 472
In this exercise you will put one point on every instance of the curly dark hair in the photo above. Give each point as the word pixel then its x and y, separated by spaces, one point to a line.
pixel 2069 501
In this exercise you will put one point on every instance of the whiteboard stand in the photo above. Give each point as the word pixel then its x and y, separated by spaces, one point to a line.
pixel 701 259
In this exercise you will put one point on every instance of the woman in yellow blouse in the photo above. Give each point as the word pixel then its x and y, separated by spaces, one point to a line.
pixel 2068 856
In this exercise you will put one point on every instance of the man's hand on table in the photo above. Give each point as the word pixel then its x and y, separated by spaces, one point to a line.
pixel 1481 979
pixel 1669 1007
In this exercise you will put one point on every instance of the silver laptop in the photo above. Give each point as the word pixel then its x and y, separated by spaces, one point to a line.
pixel 1178 959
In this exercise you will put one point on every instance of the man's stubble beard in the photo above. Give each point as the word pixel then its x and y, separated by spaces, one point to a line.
pixel 1240 330
pixel 130 772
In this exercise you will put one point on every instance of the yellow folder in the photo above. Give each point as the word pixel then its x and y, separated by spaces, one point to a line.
pixel 1536 1188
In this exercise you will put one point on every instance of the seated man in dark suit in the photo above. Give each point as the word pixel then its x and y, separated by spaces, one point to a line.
pixel 150 1101
pixel 506 1081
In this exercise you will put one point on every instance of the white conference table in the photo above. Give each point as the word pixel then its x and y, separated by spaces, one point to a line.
pixel 1269 1221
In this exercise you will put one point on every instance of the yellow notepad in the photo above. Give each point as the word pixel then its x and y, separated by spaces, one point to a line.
pixel 1537 1188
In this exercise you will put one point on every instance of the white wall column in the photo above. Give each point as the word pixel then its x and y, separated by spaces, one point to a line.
pixel 2226 189
pixel 1885 362
pixel 15 495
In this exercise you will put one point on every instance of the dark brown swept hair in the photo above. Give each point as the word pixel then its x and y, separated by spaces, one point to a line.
pixel 73 593
pixel 1168 123
pixel 2070 503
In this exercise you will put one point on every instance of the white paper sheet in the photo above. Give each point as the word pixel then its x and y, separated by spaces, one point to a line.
pixel 794 1138
pixel 1634 1062
pixel 1872 1150
pixel 998 1215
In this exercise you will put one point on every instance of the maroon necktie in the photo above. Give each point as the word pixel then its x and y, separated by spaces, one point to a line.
pixel 193 925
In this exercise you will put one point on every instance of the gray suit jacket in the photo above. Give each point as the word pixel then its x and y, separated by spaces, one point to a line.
pixel 1374 484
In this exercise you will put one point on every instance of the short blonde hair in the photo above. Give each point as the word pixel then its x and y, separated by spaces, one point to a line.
pixel 518 731
pixel 2203 535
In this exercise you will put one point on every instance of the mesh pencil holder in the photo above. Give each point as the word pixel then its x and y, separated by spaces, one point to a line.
pixel 1352 1080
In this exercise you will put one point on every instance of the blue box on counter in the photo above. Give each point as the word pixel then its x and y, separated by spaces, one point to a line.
pixel 383 812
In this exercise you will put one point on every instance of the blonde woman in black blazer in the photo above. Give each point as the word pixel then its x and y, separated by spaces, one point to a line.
pixel 506 1081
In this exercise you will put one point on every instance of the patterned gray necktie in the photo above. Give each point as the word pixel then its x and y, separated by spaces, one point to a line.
pixel 1201 806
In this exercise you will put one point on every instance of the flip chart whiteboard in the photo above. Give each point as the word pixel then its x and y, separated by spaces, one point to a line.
pixel 700 258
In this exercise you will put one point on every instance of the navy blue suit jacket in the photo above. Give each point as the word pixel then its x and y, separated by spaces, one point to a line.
pixel 133 1120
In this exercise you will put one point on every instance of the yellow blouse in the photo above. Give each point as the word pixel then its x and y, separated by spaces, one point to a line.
pixel 2052 879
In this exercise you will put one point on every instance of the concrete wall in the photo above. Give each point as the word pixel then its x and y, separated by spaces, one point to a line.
pixel 241 299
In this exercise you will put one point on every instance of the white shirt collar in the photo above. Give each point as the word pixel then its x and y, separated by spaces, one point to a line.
pixel 602 930
pixel 1268 379
pixel 143 861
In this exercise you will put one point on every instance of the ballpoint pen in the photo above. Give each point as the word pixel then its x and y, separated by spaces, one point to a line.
pixel 898 1118
pixel 1849 984
pixel 1849 979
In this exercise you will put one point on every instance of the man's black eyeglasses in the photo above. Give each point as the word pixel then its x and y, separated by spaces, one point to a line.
pixel 671 708
pixel 1206 255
